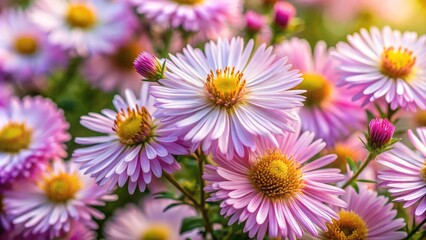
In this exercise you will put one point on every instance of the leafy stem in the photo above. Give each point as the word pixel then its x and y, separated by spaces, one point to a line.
pixel 371 156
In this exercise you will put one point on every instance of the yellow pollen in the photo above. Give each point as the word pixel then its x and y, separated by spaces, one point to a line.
pixel 343 152
pixel 80 16
pixel 317 89
pixel 225 88
pixel 189 2
pixel 276 176
pixel 14 137
pixel 423 171
pixel 420 118
pixel 125 55
pixel 397 63
pixel 62 187
pixel 349 226
pixel 157 232
pixel 134 126
pixel 26 45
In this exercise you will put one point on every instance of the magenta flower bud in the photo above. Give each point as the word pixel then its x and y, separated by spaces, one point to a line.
pixel 284 12
pixel 254 21
pixel 149 67
pixel 380 133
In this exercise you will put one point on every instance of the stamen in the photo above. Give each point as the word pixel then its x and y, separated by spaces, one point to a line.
pixel 398 63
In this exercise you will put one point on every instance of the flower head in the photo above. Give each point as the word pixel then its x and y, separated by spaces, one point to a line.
pixel 275 190
pixel 59 196
pixel 32 132
pixel 406 174
pixel 93 26
pixel 254 21
pixel 327 110
pixel 380 133
pixel 385 64
pixel 136 148
pixel 149 67
pixel 228 95
pixel 149 221
pixel 284 12
pixel 367 216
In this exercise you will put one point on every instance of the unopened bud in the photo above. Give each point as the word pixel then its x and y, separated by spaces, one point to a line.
pixel 284 12
pixel 380 133
pixel 254 21
pixel 149 67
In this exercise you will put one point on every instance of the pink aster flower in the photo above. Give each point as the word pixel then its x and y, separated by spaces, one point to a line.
pixel 115 71
pixel 406 176
pixel 136 147
pixel 25 51
pixel 225 97
pixel 50 203
pixel 149 221
pixel 87 26
pixel 367 216
pixel 327 111
pixel 385 64
pixel 32 132
pixel 208 17
pixel 277 190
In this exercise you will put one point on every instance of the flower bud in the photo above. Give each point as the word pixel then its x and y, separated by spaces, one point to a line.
pixel 149 67
pixel 254 21
pixel 380 133
pixel 284 12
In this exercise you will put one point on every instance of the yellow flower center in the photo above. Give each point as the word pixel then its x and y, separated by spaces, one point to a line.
pixel 343 152
pixel 26 45
pixel 125 55
pixel 14 137
pixel 62 187
pixel 349 226
pixel 420 118
pixel 80 16
pixel 157 232
pixel 225 88
pixel 317 89
pixel 276 176
pixel 423 171
pixel 134 126
pixel 189 2
pixel 397 63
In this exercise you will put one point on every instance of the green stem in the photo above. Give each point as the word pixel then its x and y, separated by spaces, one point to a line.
pixel 370 157
pixel 417 228
pixel 181 189
pixel 391 113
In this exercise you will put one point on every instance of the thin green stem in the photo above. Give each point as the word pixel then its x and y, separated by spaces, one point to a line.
pixel 181 189
pixel 370 157
pixel 417 228
pixel 391 113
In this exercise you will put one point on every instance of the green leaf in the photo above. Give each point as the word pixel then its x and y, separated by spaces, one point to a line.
pixel 191 223
pixel 370 115
pixel 366 181
pixel 355 186
pixel 164 195
pixel 352 164
pixel 170 206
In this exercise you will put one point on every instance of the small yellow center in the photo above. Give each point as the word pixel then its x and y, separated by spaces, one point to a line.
pixel 276 176
pixel 189 2
pixel 397 63
pixel 157 232
pixel 420 118
pixel 317 89
pixel 61 187
pixel 26 45
pixel 423 171
pixel 225 88
pixel 14 137
pixel 80 16
pixel 134 126
pixel 343 152
pixel 124 56
pixel 349 226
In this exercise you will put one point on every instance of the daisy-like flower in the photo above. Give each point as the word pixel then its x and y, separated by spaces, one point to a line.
pixel 225 97
pixel 115 71
pixel 327 111
pixel 149 221
pixel 385 64
pixel 367 216
pixel 207 17
pixel 137 147
pixel 91 26
pixel 276 190
pixel 32 132
pixel 25 50
pixel 49 203
pixel 406 176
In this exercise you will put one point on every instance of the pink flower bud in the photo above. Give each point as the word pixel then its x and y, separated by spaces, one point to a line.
pixel 380 133
pixel 254 21
pixel 148 66
pixel 284 12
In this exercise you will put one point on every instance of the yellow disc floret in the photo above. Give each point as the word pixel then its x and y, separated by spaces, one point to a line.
pixel 423 171
pixel 189 2
pixel 62 187
pixel 14 137
pixel 397 63
pixel 26 44
pixel 276 176
pixel 349 226
pixel 318 89
pixel 157 232
pixel 125 55
pixel 80 16
pixel 134 126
